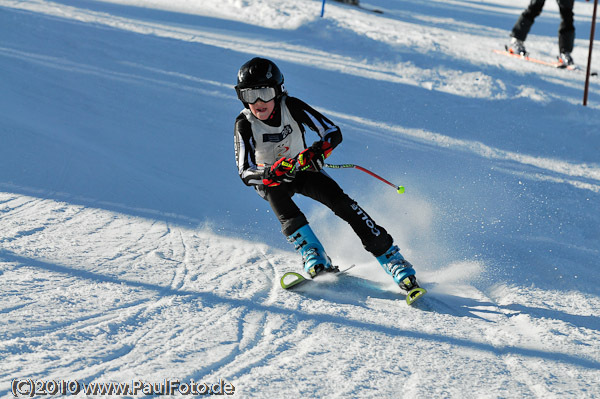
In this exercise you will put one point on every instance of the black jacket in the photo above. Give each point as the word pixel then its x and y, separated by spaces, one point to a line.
pixel 247 146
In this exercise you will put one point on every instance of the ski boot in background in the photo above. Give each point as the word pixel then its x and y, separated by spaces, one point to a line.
pixel 516 46
pixel 403 273
pixel 313 255
pixel 565 60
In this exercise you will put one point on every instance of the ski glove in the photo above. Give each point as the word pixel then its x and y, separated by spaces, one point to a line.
pixel 282 171
pixel 313 158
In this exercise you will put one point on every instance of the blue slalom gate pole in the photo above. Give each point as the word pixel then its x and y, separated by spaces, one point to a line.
pixel 323 9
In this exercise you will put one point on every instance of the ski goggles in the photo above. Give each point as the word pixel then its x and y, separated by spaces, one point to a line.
pixel 252 95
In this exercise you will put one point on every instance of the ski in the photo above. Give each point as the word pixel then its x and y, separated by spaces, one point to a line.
pixel 553 64
pixel 526 57
pixel 357 4
pixel 291 280
pixel 375 10
pixel 415 294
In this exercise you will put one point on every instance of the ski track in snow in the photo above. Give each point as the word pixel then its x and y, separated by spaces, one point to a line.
pixel 100 290
pixel 124 307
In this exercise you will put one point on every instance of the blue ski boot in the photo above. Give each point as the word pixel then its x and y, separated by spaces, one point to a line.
pixel 314 256
pixel 399 268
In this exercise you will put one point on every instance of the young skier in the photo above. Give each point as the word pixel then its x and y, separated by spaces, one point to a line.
pixel 566 31
pixel 272 156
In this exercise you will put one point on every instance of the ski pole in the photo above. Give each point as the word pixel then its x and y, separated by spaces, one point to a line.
pixel 399 189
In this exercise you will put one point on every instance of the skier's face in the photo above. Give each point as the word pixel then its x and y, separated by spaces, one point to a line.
pixel 262 110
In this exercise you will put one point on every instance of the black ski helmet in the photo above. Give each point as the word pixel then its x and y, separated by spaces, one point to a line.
pixel 259 72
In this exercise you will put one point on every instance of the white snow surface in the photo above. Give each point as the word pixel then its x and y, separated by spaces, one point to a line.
pixel 130 250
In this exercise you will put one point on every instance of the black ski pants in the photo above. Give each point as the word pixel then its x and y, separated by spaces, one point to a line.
pixel 322 188
pixel 566 30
